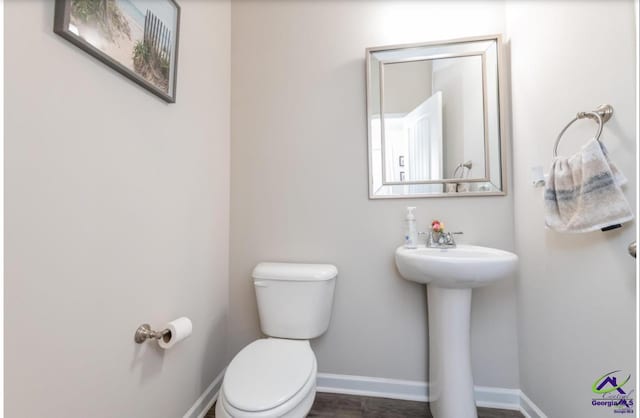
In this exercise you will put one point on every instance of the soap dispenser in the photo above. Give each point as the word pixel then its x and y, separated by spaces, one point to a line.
pixel 411 231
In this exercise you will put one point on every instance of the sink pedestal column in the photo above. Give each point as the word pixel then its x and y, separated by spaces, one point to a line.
pixel 450 379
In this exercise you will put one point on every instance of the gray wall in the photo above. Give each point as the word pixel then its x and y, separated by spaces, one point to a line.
pixel 299 183
pixel 116 214
pixel 406 86
pixel 576 294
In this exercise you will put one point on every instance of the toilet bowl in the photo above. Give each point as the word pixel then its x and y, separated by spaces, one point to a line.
pixel 270 377
pixel 276 376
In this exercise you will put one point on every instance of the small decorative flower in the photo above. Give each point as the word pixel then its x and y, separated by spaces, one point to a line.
pixel 437 226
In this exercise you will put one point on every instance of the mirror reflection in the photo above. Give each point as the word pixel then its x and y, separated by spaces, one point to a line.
pixel 423 100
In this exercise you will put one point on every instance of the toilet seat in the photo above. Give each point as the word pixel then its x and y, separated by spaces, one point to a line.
pixel 270 377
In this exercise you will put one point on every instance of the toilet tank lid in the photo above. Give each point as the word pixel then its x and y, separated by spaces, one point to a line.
pixel 295 272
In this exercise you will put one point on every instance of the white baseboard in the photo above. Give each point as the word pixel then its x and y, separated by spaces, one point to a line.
pixel 408 390
pixel 529 409
pixel 487 397
pixel 206 400
pixel 498 398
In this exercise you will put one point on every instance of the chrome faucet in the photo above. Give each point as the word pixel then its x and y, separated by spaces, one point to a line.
pixel 441 239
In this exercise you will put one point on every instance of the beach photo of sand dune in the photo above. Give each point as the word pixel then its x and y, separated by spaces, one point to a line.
pixel 138 34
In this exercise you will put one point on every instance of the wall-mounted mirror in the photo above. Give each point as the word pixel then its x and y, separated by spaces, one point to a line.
pixel 434 121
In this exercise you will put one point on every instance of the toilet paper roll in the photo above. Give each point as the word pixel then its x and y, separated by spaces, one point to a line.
pixel 179 329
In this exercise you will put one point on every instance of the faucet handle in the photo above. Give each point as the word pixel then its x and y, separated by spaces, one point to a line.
pixel 450 237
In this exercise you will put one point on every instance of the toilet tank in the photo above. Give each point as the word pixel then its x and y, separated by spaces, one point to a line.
pixel 294 300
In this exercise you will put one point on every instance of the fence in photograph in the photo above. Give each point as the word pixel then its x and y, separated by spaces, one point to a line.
pixel 157 36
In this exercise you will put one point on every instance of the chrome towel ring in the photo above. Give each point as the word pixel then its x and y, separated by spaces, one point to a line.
pixel 602 114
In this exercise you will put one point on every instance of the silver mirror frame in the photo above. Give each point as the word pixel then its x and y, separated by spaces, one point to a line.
pixel 501 125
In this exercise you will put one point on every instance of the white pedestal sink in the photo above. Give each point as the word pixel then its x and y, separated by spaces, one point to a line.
pixel 450 274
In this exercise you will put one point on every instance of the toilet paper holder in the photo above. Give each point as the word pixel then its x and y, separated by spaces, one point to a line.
pixel 145 332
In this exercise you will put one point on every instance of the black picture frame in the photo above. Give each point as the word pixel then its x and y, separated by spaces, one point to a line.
pixel 158 46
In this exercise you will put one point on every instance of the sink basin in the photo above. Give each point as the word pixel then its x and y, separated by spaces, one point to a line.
pixel 450 275
pixel 465 266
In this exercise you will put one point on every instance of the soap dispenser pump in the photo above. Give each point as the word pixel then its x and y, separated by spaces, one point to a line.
pixel 411 232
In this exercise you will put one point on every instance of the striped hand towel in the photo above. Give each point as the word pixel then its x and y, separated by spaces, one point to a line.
pixel 583 192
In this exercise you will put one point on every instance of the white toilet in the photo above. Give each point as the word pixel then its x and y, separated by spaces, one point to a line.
pixel 276 376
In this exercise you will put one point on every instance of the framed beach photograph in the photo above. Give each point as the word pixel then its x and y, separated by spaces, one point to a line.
pixel 138 38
